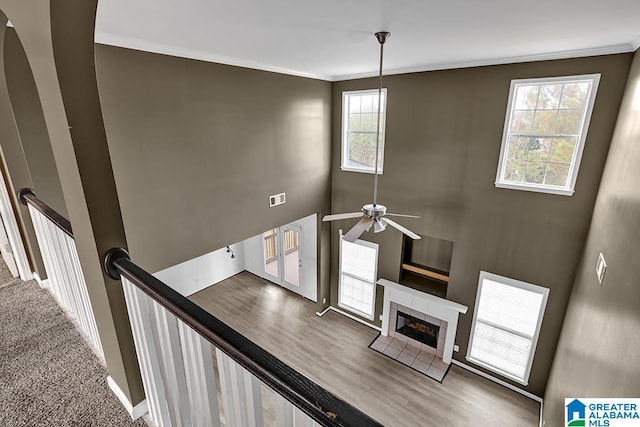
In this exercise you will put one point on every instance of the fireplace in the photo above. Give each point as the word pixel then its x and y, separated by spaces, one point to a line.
pixel 417 329
pixel 428 308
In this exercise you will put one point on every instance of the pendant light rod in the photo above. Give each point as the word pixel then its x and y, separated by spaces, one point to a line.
pixel 382 37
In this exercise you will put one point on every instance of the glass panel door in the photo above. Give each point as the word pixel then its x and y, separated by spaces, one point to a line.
pixel 271 249
pixel 292 259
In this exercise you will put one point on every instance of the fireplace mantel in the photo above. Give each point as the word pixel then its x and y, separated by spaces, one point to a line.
pixel 424 303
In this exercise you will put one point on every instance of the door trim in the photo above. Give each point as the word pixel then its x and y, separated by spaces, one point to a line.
pixel 13 232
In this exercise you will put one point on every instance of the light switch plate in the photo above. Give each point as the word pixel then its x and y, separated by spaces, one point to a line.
pixel 601 267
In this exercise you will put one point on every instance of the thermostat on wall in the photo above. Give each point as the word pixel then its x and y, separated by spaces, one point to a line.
pixel 277 199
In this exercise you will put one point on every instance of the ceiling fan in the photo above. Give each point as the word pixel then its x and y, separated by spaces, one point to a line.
pixel 374 214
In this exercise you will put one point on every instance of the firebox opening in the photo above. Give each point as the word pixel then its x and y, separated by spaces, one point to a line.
pixel 419 330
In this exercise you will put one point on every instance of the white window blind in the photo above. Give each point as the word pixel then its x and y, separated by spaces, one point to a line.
pixel 358 265
pixel 506 325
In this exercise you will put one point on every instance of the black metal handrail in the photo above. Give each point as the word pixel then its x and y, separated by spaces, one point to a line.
pixel 318 403
pixel 27 196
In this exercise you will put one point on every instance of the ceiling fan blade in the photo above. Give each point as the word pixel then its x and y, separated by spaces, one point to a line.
pixel 402 215
pixel 401 228
pixel 335 217
pixel 358 229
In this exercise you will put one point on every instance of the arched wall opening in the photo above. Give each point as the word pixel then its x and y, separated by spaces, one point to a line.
pixel 19 227
pixel 57 40
pixel 30 122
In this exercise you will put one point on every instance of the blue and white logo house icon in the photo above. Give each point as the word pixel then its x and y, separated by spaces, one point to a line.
pixel 576 413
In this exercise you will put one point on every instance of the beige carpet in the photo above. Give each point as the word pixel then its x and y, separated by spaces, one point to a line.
pixel 48 375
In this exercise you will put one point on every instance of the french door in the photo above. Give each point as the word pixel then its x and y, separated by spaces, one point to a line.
pixel 282 256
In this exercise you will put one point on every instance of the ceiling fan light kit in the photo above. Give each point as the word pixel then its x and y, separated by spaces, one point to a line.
pixel 374 214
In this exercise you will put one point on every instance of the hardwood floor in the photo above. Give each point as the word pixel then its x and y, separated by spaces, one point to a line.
pixel 333 351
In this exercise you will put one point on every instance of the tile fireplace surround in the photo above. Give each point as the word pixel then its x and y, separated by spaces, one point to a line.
pixel 433 309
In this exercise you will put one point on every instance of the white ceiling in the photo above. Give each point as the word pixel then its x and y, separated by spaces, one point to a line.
pixel 333 39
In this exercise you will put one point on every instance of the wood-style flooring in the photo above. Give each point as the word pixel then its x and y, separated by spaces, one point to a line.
pixel 333 351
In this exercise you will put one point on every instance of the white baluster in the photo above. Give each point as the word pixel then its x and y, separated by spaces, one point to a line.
pixel 173 372
pixel 82 286
pixel 287 415
pixel 66 280
pixel 144 341
pixel 241 394
pixel 198 363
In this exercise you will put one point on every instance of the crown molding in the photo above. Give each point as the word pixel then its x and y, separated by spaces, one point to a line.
pixel 146 46
pixel 578 53
pixel 635 44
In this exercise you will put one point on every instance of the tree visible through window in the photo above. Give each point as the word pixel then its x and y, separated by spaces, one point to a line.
pixel 359 124
pixel 545 129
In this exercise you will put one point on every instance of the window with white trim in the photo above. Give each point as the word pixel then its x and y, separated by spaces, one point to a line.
pixel 359 124
pixel 544 133
pixel 506 325
pixel 357 284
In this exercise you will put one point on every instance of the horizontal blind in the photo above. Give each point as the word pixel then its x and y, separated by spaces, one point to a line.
pixel 357 277
pixel 506 326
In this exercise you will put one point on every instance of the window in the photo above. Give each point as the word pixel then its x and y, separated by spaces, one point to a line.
pixel 544 133
pixel 357 286
pixel 359 123
pixel 506 324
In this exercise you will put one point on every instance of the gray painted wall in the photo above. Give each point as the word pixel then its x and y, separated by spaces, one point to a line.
pixel 197 148
pixel 29 118
pixel 598 353
pixel 444 131
pixel 61 57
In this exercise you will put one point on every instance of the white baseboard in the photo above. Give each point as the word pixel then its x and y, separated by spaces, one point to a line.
pixel 44 284
pixel 134 411
pixel 497 380
pixel 323 312
pixel 344 313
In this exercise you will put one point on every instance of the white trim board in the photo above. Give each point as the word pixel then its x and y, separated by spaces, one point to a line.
pixel 350 316
pixel 146 46
pixel 541 422
pixel 134 411
pixel 578 53
pixel 13 232
pixel 497 380
pixel 44 284
pixel 635 44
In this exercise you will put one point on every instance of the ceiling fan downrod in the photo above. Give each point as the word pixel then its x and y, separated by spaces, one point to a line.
pixel 382 37
pixel 373 214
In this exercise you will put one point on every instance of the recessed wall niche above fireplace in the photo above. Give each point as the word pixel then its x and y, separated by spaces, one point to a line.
pixel 426 264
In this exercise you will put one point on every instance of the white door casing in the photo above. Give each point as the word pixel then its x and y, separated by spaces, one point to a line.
pixel 13 233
